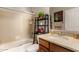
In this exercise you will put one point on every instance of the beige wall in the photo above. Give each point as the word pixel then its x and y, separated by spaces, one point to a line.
pixel 13 24
pixel 72 19
pixel 24 9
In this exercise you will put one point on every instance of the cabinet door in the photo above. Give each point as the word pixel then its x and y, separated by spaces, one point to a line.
pixel 42 49
pixel 56 48
pixel 44 43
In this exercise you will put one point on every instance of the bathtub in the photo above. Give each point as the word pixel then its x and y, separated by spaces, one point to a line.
pixel 16 46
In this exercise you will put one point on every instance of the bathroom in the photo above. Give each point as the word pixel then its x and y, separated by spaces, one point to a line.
pixel 17 29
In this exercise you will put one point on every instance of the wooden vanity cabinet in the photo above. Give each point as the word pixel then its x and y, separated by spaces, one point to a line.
pixel 43 49
pixel 46 46
pixel 43 45
pixel 57 48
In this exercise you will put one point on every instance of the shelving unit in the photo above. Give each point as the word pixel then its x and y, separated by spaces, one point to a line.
pixel 41 27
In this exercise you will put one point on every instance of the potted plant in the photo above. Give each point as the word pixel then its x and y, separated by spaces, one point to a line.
pixel 41 15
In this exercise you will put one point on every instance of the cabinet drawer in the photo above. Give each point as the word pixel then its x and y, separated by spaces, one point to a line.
pixel 56 48
pixel 42 49
pixel 44 43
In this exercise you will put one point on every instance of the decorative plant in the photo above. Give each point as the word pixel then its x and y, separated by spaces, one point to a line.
pixel 41 14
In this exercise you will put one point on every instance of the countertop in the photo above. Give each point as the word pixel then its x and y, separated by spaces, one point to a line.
pixel 64 41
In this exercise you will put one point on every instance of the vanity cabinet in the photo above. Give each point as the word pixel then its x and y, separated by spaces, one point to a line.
pixel 57 48
pixel 43 49
pixel 46 46
pixel 43 45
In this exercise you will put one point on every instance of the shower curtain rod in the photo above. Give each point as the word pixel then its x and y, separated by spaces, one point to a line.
pixel 17 10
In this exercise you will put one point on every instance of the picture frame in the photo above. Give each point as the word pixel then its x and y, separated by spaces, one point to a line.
pixel 58 16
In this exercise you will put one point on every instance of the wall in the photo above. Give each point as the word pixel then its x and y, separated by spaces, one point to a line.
pixel 13 25
pixel 56 9
pixel 72 19
pixel 25 9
